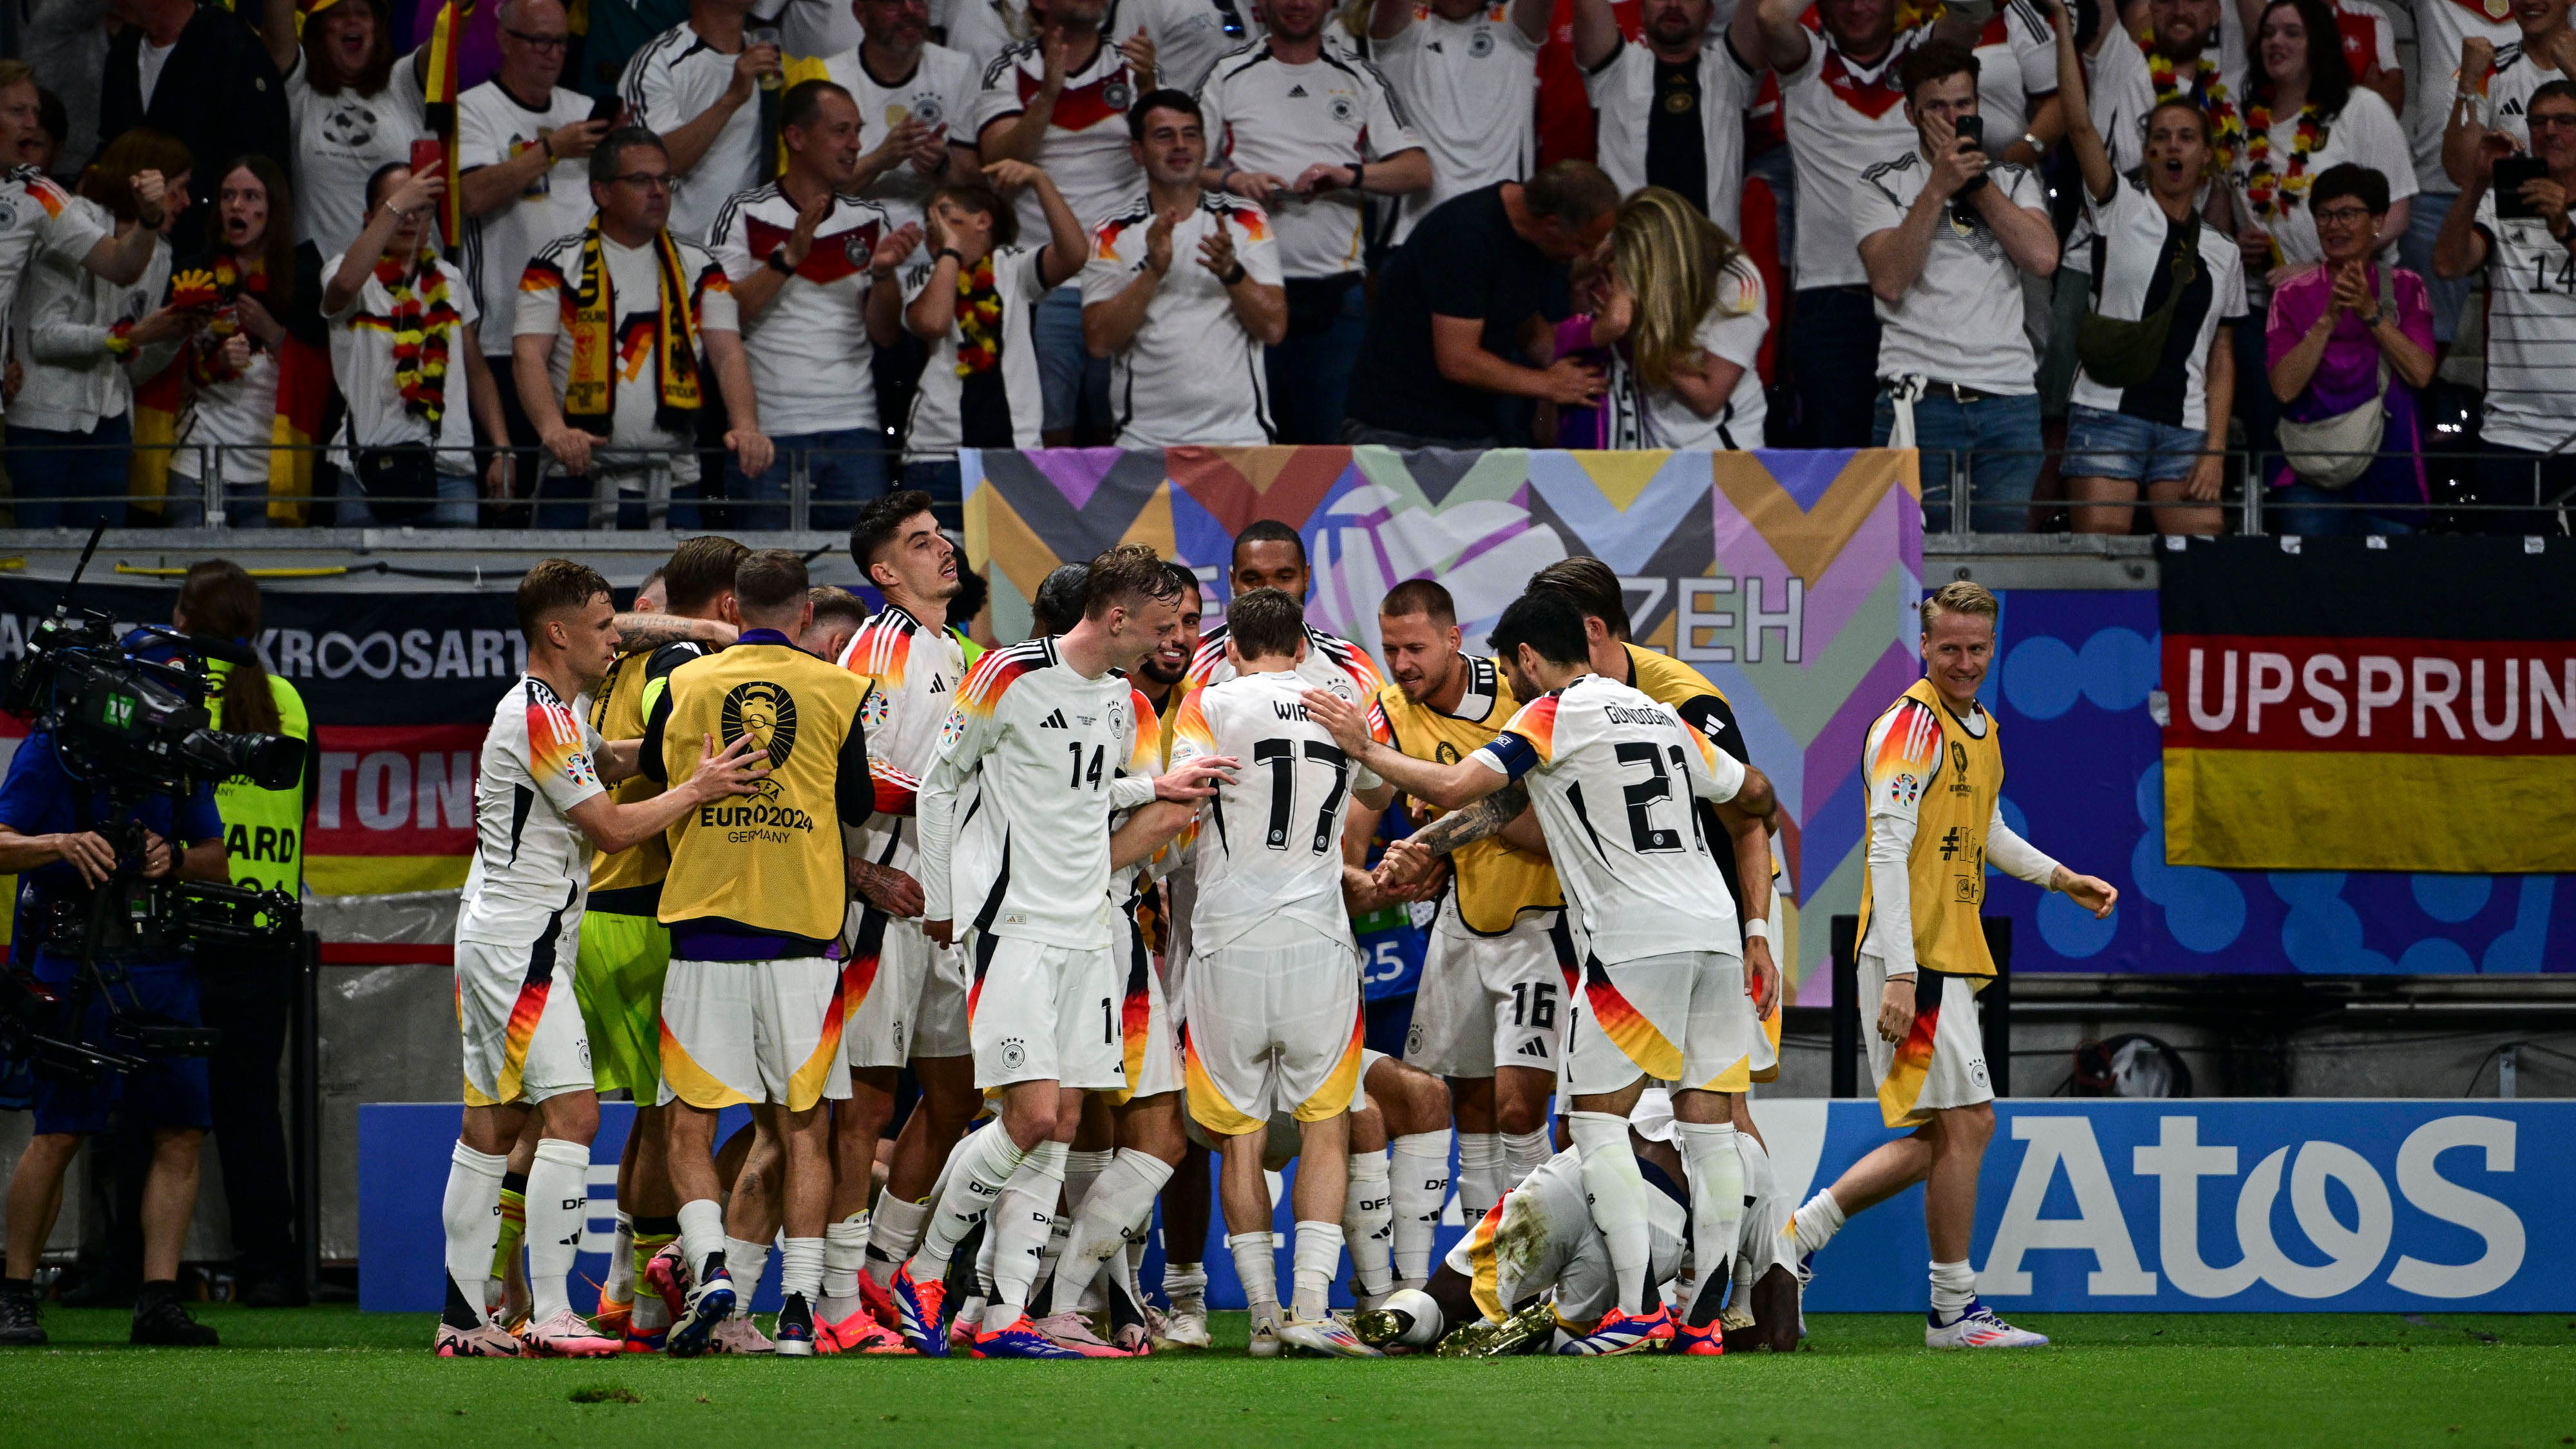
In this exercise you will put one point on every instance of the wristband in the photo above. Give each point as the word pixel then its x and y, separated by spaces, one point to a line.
pixel 547 140
pixel 1757 929
pixel 1359 174
pixel 950 252
pixel 776 261
pixel 2037 146
pixel 1232 274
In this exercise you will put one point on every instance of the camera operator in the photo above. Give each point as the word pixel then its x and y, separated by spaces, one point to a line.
pixel 51 834
pixel 249 989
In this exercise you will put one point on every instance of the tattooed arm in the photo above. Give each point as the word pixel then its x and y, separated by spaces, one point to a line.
pixel 652 631
pixel 1408 860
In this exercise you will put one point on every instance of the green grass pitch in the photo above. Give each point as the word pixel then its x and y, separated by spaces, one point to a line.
pixel 335 1376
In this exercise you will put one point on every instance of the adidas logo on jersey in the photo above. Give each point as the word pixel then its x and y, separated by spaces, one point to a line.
pixel 1296 93
pixel 1534 1047
pixel 1054 721
pixel 938 685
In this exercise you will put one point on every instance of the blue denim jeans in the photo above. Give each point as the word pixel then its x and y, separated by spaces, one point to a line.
pixel 845 468
pixel 2294 508
pixel 941 478
pixel 457 497
pixel 1998 440
pixel 245 504
pixel 1310 370
pixel 1832 356
pixel 1073 384
pixel 84 471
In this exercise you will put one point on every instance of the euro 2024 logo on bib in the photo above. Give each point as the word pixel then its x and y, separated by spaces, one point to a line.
pixel 767 712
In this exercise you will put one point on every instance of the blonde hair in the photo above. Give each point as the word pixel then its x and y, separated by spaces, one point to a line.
pixel 1961 596
pixel 1674 262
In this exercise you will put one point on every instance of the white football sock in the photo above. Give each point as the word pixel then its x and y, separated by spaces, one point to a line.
pixel 1953 1284
pixel 1759 1191
pixel 746 1261
pixel 1480 1174
pixel 620 1286
pixel 1417 1187
pixel 702 1236
pixel 894 1230
pixel 470 1212
pixel 1716 1177
pixel 977 1171
pixel 1112 1214
pixel 1258 1268
pixel 1319 1253
pixel 1082 1169
pixel 845 1246
pixel 1021 1222
pixel 1618 1193
pixel 1818 1221
pixel 1185 1284
pixel 1522 1153
pixel 1368 1226
pixel 558 1200
pixel 800 1268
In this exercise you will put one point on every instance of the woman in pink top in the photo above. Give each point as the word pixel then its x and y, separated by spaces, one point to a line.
pixel 2327 337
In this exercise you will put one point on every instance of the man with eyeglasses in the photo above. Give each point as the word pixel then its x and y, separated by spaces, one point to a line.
pixel 618 326
pixel 522 145
pixel 2524 240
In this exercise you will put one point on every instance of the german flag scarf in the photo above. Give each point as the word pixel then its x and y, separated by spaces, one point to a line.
pixel 590 393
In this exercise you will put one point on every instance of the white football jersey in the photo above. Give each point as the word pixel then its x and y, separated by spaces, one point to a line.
pixel 1328 657
pixel 1269 844
pixel 531 864
pixel 1545 1239
pixel 1611 772
pixel 916 671
pixel 1028 856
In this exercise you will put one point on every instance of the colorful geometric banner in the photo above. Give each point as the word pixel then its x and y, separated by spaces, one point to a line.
pixel 1789 579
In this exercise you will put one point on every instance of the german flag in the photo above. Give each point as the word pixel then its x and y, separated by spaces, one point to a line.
pixel 2371 704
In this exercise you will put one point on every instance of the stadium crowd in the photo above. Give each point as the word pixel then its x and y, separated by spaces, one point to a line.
pixel 645 265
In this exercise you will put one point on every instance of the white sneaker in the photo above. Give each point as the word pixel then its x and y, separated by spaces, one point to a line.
pixel 1977 1327
pixel 1184 1328
pixel 1068 1331
pixel 1328 1337
pixel 568 1335
pixel 739 1334
pixel 1264 1341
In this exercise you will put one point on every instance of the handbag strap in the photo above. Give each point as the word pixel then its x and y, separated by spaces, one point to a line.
pixel 2387 309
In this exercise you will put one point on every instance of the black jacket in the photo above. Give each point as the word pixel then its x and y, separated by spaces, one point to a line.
pixel 219 92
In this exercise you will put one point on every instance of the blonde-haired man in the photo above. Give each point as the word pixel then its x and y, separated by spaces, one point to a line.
pixel 1936 777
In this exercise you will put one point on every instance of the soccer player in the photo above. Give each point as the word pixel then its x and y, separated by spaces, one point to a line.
pixel 1268 554
pixel 1536 1259
pixel 625 951
pixel 1274 1005
pixel 1486 1017
pixel 751 1007
pixel 839 615
pixel 904 994
pixel 1130 1136
pixel 1936 775
pixel 540 807
pixel 1611 773
pixel 1035 726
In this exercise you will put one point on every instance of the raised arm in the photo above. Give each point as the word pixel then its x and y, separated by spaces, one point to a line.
pixel 277 32
pixel 1784 40
pixel 2461 248
pixel 1596 33
pixel 2091 155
